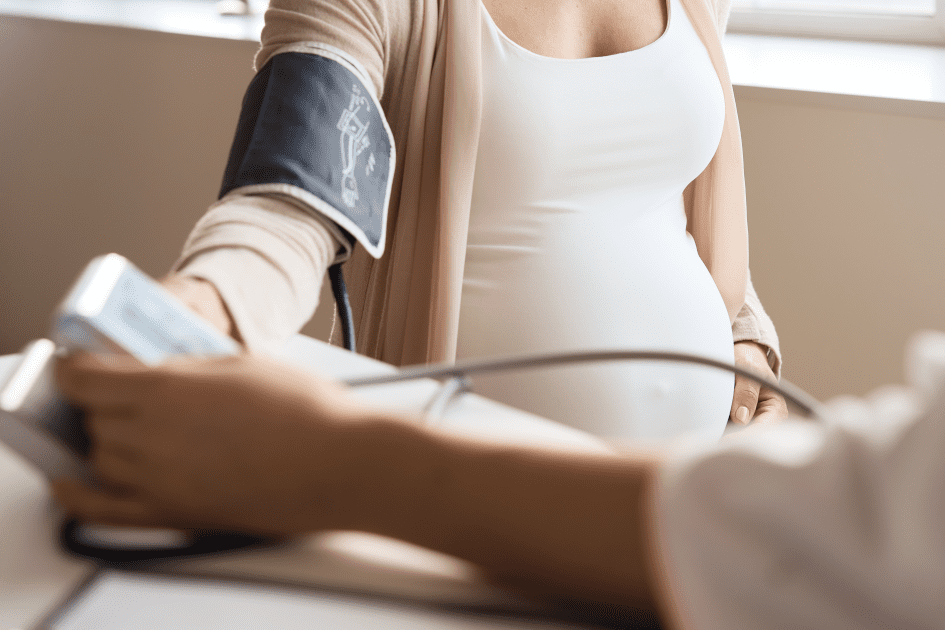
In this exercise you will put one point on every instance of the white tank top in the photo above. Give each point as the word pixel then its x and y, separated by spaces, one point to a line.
pixel 577 235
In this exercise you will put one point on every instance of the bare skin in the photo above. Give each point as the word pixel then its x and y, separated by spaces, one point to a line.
pixel 575 29
pixel 761 405
pixel 247 444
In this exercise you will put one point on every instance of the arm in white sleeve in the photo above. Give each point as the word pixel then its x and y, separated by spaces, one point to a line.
pixel 267 259
pixel 804 525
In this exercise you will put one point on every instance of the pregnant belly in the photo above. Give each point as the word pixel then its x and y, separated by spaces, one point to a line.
pixel 582 287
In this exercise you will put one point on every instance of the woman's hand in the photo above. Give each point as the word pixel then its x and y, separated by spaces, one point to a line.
pixel 240 443
pixel 751 401
pixel 202 298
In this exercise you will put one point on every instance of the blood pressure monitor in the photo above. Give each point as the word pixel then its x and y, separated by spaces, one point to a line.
pixel 112 308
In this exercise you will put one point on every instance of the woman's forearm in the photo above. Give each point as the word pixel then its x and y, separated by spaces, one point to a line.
pixel 266 258
pixel 302 455
pixel 548 521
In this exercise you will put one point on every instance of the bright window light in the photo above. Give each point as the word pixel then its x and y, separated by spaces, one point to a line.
pixel 895 21
pixel 862 7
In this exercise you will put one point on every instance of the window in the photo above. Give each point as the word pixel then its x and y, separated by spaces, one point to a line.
pixel 916 21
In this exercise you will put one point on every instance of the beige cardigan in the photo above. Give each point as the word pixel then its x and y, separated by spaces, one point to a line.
pixel 423 58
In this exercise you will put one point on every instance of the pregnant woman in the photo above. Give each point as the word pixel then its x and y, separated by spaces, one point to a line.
pixel 567 176
pixel 577 235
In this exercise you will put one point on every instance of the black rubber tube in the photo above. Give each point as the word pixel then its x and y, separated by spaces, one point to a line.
pixel 340 292
pixel 793 394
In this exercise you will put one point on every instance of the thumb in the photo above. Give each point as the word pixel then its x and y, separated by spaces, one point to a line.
pixel 745 400
pixel 99 506
pixel 203 298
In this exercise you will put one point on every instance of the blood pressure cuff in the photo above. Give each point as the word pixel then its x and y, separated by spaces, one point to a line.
pixel 312 130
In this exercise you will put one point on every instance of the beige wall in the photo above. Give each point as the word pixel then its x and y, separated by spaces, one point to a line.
pixel 115 140
pixel 847 225
pixel 111 139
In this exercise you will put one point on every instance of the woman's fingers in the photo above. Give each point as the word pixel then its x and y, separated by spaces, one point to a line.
pixel 771 407
pixel 196 442
pixel 101 506
pixel 745 400
pixel 750 397
pixel 109 424
pixel 116 467
pixel 105 381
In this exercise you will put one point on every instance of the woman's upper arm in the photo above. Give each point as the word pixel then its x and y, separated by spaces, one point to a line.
pixel 312 127
pixel 359 29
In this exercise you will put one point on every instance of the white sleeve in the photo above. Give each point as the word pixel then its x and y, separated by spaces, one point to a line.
pixel 801 525
pixel 267 258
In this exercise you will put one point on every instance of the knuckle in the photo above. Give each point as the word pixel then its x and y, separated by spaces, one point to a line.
pixel 98 462
pixel 107 467
pixel 747 394
pixel 93 426
pixel 73 385
pixel 155 387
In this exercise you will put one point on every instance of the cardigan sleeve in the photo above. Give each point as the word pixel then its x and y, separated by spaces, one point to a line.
pixel 753 324
pixel 267 254
pixel 358 29
pixel 267 258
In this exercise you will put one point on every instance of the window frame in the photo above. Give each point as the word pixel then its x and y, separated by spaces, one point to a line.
pixel 882 28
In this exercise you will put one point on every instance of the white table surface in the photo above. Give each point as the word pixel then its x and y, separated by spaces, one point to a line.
pixel 36 576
